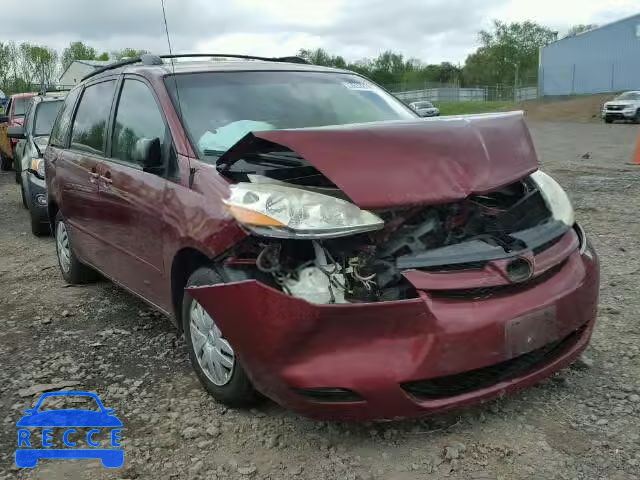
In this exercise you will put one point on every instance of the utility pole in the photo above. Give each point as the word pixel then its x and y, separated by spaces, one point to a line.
pixel 515 83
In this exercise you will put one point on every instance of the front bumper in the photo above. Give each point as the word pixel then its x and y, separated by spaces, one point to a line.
pixel 385 352
pixel 36 195
pixel 619 114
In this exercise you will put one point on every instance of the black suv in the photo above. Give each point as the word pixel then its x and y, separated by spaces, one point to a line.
pixel 28 163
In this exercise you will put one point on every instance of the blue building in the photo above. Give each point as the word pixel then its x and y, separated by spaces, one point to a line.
pixel 606 59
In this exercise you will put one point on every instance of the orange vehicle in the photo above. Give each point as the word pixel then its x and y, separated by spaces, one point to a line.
pixel 13 117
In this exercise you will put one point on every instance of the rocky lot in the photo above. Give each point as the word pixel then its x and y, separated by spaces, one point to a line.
pixel 582 424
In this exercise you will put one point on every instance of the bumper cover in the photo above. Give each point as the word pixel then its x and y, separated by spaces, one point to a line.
pixel 619 114
pixel 36 187
pixel 377 349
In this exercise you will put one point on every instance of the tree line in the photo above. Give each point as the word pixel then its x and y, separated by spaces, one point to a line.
pixel 507 54
pixel 26 66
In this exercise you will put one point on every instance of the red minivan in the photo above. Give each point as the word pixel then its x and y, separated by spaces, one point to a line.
pixel 315 240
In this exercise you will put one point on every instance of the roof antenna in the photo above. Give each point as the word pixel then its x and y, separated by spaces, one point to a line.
pixel 192 170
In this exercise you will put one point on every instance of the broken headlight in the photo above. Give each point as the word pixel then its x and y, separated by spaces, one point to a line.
pixel 287 212
pixel 556 198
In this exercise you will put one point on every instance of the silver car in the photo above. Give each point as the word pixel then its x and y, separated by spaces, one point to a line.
pixel 425 109
pixel 625 106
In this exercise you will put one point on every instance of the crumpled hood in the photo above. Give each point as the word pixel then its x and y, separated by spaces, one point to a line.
pixel 402 163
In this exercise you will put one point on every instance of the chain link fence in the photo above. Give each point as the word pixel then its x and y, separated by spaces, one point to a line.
pixel 455 93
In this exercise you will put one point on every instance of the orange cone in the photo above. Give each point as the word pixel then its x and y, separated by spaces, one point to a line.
pixel 636 155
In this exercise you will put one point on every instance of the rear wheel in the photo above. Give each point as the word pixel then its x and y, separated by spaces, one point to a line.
pixel 73 271
pixel 636 119
pixel 5 163
pixel 212 356
pixel 608 120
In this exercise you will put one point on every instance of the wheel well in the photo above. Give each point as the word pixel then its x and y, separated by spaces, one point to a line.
pixel 185 262
pixel 52 211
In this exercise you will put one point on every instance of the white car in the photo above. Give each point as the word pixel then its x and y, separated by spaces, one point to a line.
pixel 425 109
pixel 625 106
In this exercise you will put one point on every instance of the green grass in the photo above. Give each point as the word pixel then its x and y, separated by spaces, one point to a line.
pixel 462 108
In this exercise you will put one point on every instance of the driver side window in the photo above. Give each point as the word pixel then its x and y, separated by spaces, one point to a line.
pixel 138 117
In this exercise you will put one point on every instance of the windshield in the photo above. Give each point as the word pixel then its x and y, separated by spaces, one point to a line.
pixel 219 108
pixel 629 96
pixel 20 106
pixel 46 114
pixel 423 105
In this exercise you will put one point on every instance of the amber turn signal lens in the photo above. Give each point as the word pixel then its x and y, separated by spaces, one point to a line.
pixel 244 215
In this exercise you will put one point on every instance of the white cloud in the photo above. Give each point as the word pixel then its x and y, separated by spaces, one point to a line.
pixel 431 30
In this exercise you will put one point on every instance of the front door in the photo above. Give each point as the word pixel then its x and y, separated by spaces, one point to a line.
pixel 132 199
pixel 79 168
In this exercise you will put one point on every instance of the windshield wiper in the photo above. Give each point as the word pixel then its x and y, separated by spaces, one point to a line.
pixel 283 159
pixel 278 159
pixel 212 153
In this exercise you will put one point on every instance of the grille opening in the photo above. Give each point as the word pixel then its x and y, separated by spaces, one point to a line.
pixel 484 292
pixel 461 383
pixel 329 395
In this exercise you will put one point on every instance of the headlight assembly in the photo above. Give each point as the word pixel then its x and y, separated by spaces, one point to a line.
pixel 37 166
pixel 556 198
pixel 288 212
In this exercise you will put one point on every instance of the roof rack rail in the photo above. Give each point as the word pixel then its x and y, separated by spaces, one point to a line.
pixel 45 90
pixel 111 66
pixel 150 59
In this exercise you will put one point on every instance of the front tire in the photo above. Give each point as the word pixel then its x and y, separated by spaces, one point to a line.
pixel 212 357
pixel 38 228
pixel 23 196
pixel 608 120
pixel 73 271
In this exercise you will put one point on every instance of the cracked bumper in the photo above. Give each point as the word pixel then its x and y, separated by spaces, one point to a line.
pixel 287 344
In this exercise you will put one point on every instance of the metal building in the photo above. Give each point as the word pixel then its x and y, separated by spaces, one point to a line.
pixel 606 59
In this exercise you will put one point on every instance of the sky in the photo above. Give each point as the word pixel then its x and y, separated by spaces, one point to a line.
pixel 430 30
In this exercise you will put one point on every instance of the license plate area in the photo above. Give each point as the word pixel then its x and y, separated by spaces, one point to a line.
pixel 531 331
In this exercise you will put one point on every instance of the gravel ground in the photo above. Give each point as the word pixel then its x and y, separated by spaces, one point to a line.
pixel 582 424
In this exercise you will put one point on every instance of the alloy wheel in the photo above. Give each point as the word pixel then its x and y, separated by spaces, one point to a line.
pixel 214 353
pixel 63 247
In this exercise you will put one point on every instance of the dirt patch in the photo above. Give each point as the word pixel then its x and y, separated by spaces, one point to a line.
pixel 581 109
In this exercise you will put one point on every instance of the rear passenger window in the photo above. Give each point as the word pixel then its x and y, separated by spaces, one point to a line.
pixel 138 117
pixel 90 124
pixel 60 131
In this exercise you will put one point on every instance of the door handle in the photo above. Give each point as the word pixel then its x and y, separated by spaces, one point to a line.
pixel 106 178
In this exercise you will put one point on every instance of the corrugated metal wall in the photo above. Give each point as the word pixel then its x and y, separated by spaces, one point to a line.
pixel 603 60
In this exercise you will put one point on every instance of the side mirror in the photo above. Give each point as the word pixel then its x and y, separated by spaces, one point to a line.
pixel 16 132
pixel 147 152
pixel 4 118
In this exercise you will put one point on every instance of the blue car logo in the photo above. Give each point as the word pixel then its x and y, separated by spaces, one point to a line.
pixel 42 422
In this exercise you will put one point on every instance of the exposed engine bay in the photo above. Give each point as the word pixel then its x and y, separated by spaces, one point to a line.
pixel 368 267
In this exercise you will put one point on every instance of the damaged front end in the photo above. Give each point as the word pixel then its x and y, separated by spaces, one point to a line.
pixel 400 269
pixel 312 238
